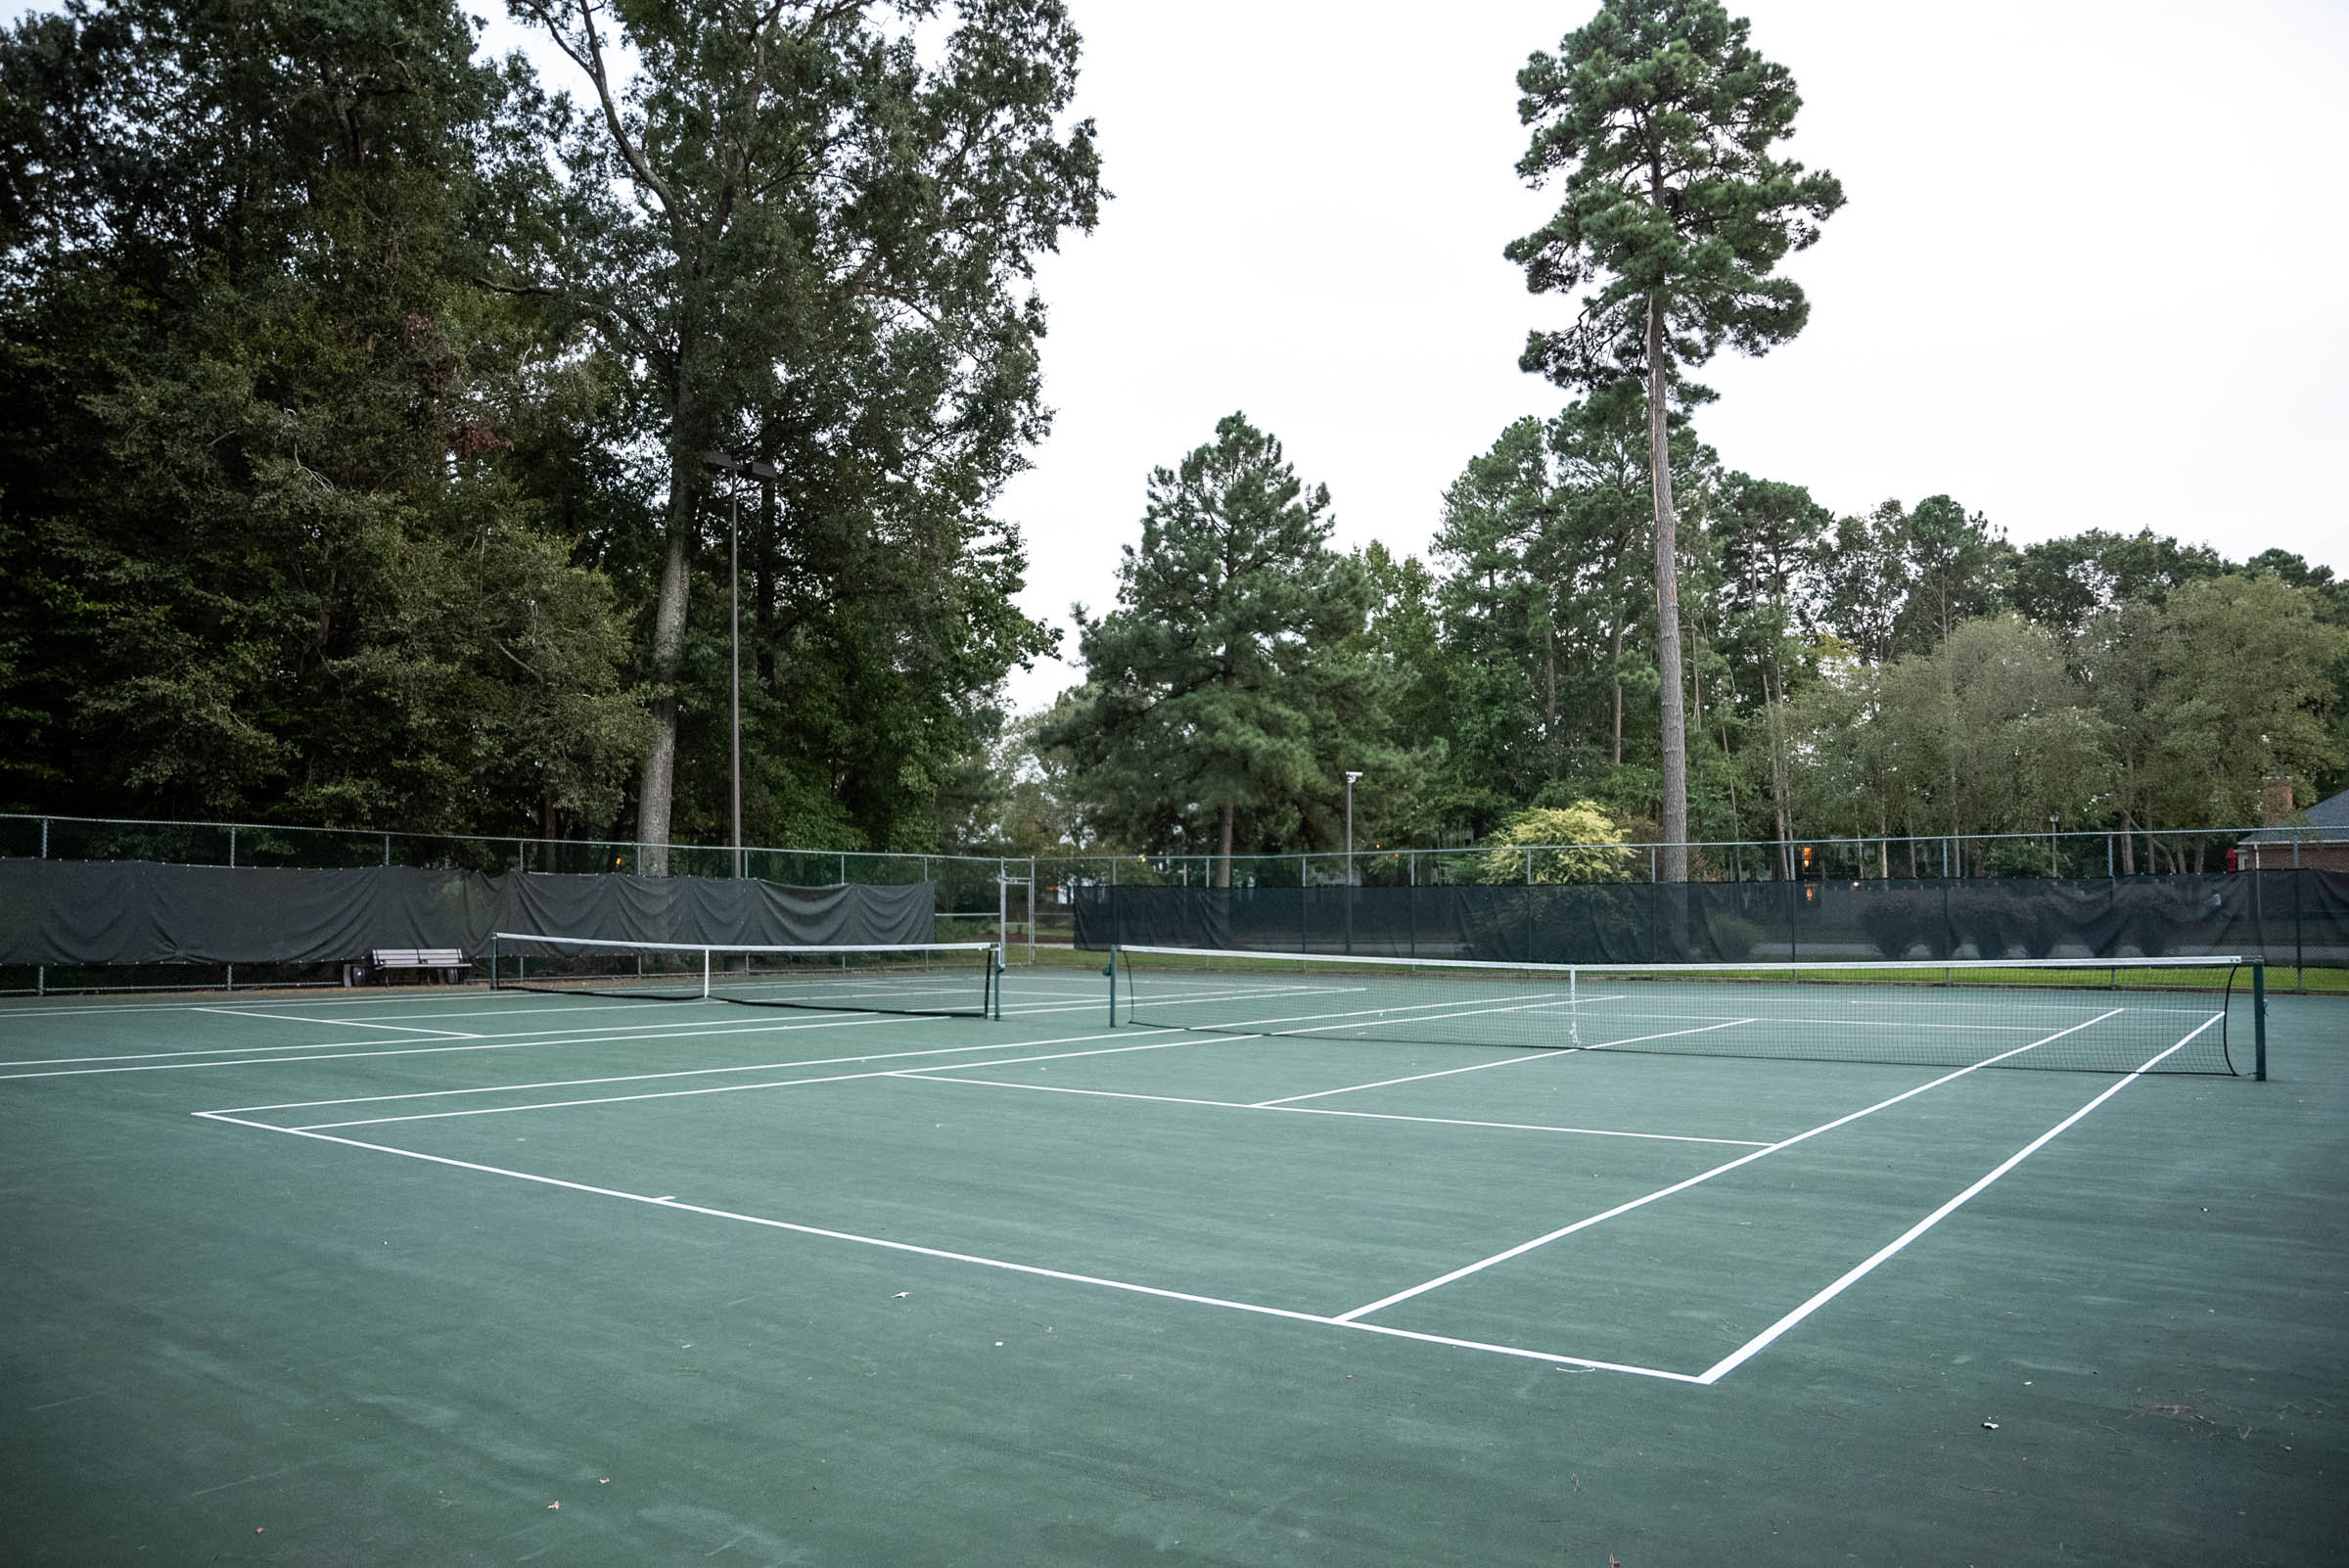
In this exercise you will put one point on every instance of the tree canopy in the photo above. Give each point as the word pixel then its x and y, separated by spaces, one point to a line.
pixel 1233 685
pixel 357 393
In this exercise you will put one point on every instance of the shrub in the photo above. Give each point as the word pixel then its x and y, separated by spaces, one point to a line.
pixel 1575 843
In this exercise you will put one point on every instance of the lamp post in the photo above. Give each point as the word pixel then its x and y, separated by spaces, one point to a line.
pixel 1349 778
pixel 732 466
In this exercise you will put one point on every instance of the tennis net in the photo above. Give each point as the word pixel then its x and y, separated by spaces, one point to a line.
pixel 954 979
pixel 2112 1015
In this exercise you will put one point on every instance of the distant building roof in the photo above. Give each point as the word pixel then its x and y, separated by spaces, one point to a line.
pixel 2325 822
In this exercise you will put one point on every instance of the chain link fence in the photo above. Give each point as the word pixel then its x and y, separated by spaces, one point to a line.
pixel 971 904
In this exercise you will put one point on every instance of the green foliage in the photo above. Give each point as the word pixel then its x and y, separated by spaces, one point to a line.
pixel 809 241
pixel 1548 614
pixel 1899 581
pixel 352 395
pixel 259 557
pixel 2061 584
pixel 1556 844
pixel 1235 683
pixel 1657 119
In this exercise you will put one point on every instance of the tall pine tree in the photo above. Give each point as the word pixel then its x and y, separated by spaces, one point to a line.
pixel 1235 683
pixel 1657 117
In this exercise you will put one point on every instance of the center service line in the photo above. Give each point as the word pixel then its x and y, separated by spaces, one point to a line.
pixel 1532 1057
pixel 1525 1247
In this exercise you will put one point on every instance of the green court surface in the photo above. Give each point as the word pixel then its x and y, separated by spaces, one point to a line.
pixel 445 1275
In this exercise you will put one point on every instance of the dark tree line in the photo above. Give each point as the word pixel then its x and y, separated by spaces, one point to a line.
pixel 354 392
pixel 1903 674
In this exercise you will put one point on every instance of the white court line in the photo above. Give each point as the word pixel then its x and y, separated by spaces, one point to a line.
pixel 1592 1131
pixel 22 1009
pixel 577 1034
pixel 571 1034
pixel 1352 1020
pixel 927 1075
pixel 1192 1038
pixel 1762 1341
pixel 344 1055
pixel 1872 1023
pixel 335 1023
pixel 1524 1247
pixel 940 1074
pixel 738 1089
pixel 338 1051
pixel 693 1029
pixel 1033 1269
pixel 688 1072
pixel 1530 1057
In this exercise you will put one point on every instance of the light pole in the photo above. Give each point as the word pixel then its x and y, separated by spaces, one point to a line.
pixel 732 466
pixel 1349 778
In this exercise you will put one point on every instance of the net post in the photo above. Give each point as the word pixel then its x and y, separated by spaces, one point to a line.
pixel 2259 1021
pixel 1111 970
pixel 493 960
pixel 707 954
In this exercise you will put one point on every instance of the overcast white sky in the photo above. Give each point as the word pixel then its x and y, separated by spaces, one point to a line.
pixel 2089 273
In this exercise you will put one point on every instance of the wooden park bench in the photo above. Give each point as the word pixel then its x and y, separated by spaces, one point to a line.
pixel 446 964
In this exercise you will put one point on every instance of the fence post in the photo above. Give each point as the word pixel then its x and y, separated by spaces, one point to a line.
pixel 2299 953
pixel 387 848
pixel 1529 866
pixel 45 839
pixel 232 861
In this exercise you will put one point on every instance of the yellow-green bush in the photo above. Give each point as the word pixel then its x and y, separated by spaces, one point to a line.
pixel 1594 849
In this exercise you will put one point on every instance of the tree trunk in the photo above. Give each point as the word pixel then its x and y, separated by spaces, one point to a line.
pixel 1668 604
pixel 2128 843
pixel 1550 700
pixel 1224 867
pixel 1619 693
pixel 763 590
pixel 1770 703
pixel 657 791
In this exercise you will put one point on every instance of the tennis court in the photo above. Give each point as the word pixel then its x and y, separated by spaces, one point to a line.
pixel 1280 1268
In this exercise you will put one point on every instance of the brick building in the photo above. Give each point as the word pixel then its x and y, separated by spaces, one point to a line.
pixel 2317 838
